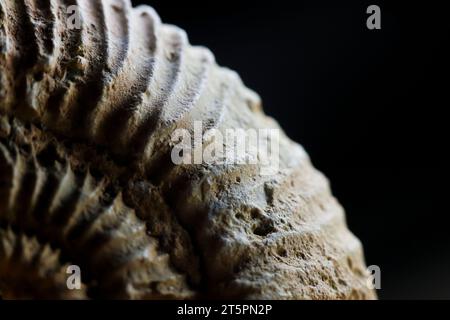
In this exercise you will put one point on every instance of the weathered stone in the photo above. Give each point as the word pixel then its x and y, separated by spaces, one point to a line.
pixel 85 139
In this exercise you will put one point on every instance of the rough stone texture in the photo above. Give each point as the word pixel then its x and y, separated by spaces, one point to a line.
pixel 85 169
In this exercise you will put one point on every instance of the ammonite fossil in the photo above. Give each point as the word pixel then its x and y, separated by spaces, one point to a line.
pixel 86 178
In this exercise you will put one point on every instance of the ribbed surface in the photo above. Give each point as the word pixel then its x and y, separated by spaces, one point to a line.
pixel 29 269
pixel 116 80
pixel 121 83
pixel 89 224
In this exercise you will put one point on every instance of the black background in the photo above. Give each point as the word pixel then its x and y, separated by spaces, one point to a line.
pixel 368 105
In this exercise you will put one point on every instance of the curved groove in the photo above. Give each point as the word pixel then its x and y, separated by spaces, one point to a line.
pixel 42 18
pixel 85 93
pixel 166 79
pixel 21 51
pixel 124 93
pixel 117 24
pixel 64 67
pixel 200 61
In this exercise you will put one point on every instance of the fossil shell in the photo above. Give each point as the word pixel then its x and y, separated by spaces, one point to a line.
pixel 86 119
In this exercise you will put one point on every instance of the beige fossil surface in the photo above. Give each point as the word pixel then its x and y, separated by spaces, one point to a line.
pixel 90 94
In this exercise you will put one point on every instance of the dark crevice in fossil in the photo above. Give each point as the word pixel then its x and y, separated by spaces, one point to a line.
pixel 171 196
pixel 188 265
pixel 67 67
pixel 43 20
pixel 139 140
pixel 89 88
pixel 47 157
